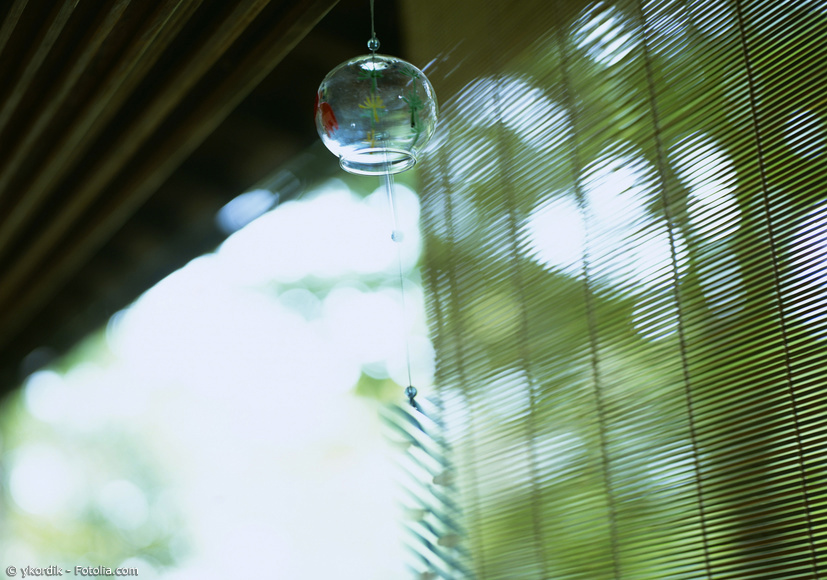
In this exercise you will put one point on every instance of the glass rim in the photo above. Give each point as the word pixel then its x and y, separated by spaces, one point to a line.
pixel 377 161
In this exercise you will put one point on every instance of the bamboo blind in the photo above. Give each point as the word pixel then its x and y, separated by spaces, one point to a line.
pixel 626 233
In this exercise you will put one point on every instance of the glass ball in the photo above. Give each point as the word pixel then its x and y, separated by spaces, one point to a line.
pixel 376 113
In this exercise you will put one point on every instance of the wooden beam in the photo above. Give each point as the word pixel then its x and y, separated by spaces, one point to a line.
pixel 68 241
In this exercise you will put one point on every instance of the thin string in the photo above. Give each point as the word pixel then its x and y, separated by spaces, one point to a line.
pixel 396 236
pixel 372 27
pixel 373 43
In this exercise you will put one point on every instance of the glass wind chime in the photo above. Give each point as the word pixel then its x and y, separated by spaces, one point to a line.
pixel 376 113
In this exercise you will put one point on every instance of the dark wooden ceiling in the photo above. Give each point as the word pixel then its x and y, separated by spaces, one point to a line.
pixel 125 125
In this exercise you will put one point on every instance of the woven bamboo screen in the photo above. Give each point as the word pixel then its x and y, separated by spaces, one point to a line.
pixel 626 261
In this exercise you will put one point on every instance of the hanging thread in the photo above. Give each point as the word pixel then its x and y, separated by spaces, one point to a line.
pixel 373 43
pixel 397 237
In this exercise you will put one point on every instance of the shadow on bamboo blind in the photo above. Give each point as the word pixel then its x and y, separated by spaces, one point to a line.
pixel 626 259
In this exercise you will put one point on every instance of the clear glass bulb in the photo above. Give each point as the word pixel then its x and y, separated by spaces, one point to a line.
pixel 376 113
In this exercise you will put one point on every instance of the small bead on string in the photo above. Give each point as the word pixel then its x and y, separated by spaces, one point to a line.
pixel 410 392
